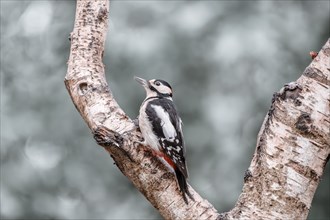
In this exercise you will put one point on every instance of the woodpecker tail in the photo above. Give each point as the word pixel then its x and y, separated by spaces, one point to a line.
pixel 183 185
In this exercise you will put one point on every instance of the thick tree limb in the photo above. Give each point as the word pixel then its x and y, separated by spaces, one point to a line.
pixel 293 148
pixel 293 143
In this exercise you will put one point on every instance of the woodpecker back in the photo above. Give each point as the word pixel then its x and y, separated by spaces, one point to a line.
pixel 161 128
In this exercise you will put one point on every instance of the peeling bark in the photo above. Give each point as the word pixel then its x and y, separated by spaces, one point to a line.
pixel 291 153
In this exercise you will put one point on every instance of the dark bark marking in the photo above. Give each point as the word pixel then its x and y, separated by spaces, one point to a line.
pixel 300 205
pixel 304 170
pixel 303 123
pixel 107 138
pixel 167 175
pixel 83 88
pixel 247 175
pixel 316 74
pixel 290 91
pixel 102 14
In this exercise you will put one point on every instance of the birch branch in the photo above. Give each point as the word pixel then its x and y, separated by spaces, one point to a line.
pixel 292 146
pixel 113 129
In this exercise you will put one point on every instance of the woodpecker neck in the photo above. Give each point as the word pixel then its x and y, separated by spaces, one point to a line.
pixel 158 97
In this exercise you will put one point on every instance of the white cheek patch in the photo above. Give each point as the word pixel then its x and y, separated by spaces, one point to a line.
pixel 164 89
pixel 168 128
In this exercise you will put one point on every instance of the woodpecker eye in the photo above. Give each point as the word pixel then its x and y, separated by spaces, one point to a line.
pixel 157 83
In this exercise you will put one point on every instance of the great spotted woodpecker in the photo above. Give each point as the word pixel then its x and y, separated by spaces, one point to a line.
pixel 161 128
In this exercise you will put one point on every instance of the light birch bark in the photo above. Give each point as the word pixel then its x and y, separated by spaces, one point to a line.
pixel 292 149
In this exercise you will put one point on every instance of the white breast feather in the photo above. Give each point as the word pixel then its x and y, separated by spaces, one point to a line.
pixel 146 130
pixel 168 128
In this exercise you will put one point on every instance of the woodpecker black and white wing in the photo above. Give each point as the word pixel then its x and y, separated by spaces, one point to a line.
pixel 166 123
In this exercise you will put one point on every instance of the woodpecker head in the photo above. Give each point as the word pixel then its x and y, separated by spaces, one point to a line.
pixel 155 87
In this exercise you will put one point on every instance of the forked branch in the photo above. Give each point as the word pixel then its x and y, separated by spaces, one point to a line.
pixel 292 147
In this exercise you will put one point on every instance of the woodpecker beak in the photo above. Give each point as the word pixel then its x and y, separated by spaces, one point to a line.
pixel 143 82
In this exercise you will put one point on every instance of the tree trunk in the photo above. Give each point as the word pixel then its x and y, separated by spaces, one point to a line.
pixel 292 148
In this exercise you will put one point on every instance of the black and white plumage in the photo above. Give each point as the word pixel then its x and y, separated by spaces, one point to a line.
pixel 161 128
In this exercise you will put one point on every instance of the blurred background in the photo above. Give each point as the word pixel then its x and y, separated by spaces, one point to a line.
pixel 224 60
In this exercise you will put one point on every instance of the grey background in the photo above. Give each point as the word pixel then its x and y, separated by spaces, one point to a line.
pixel 224 60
